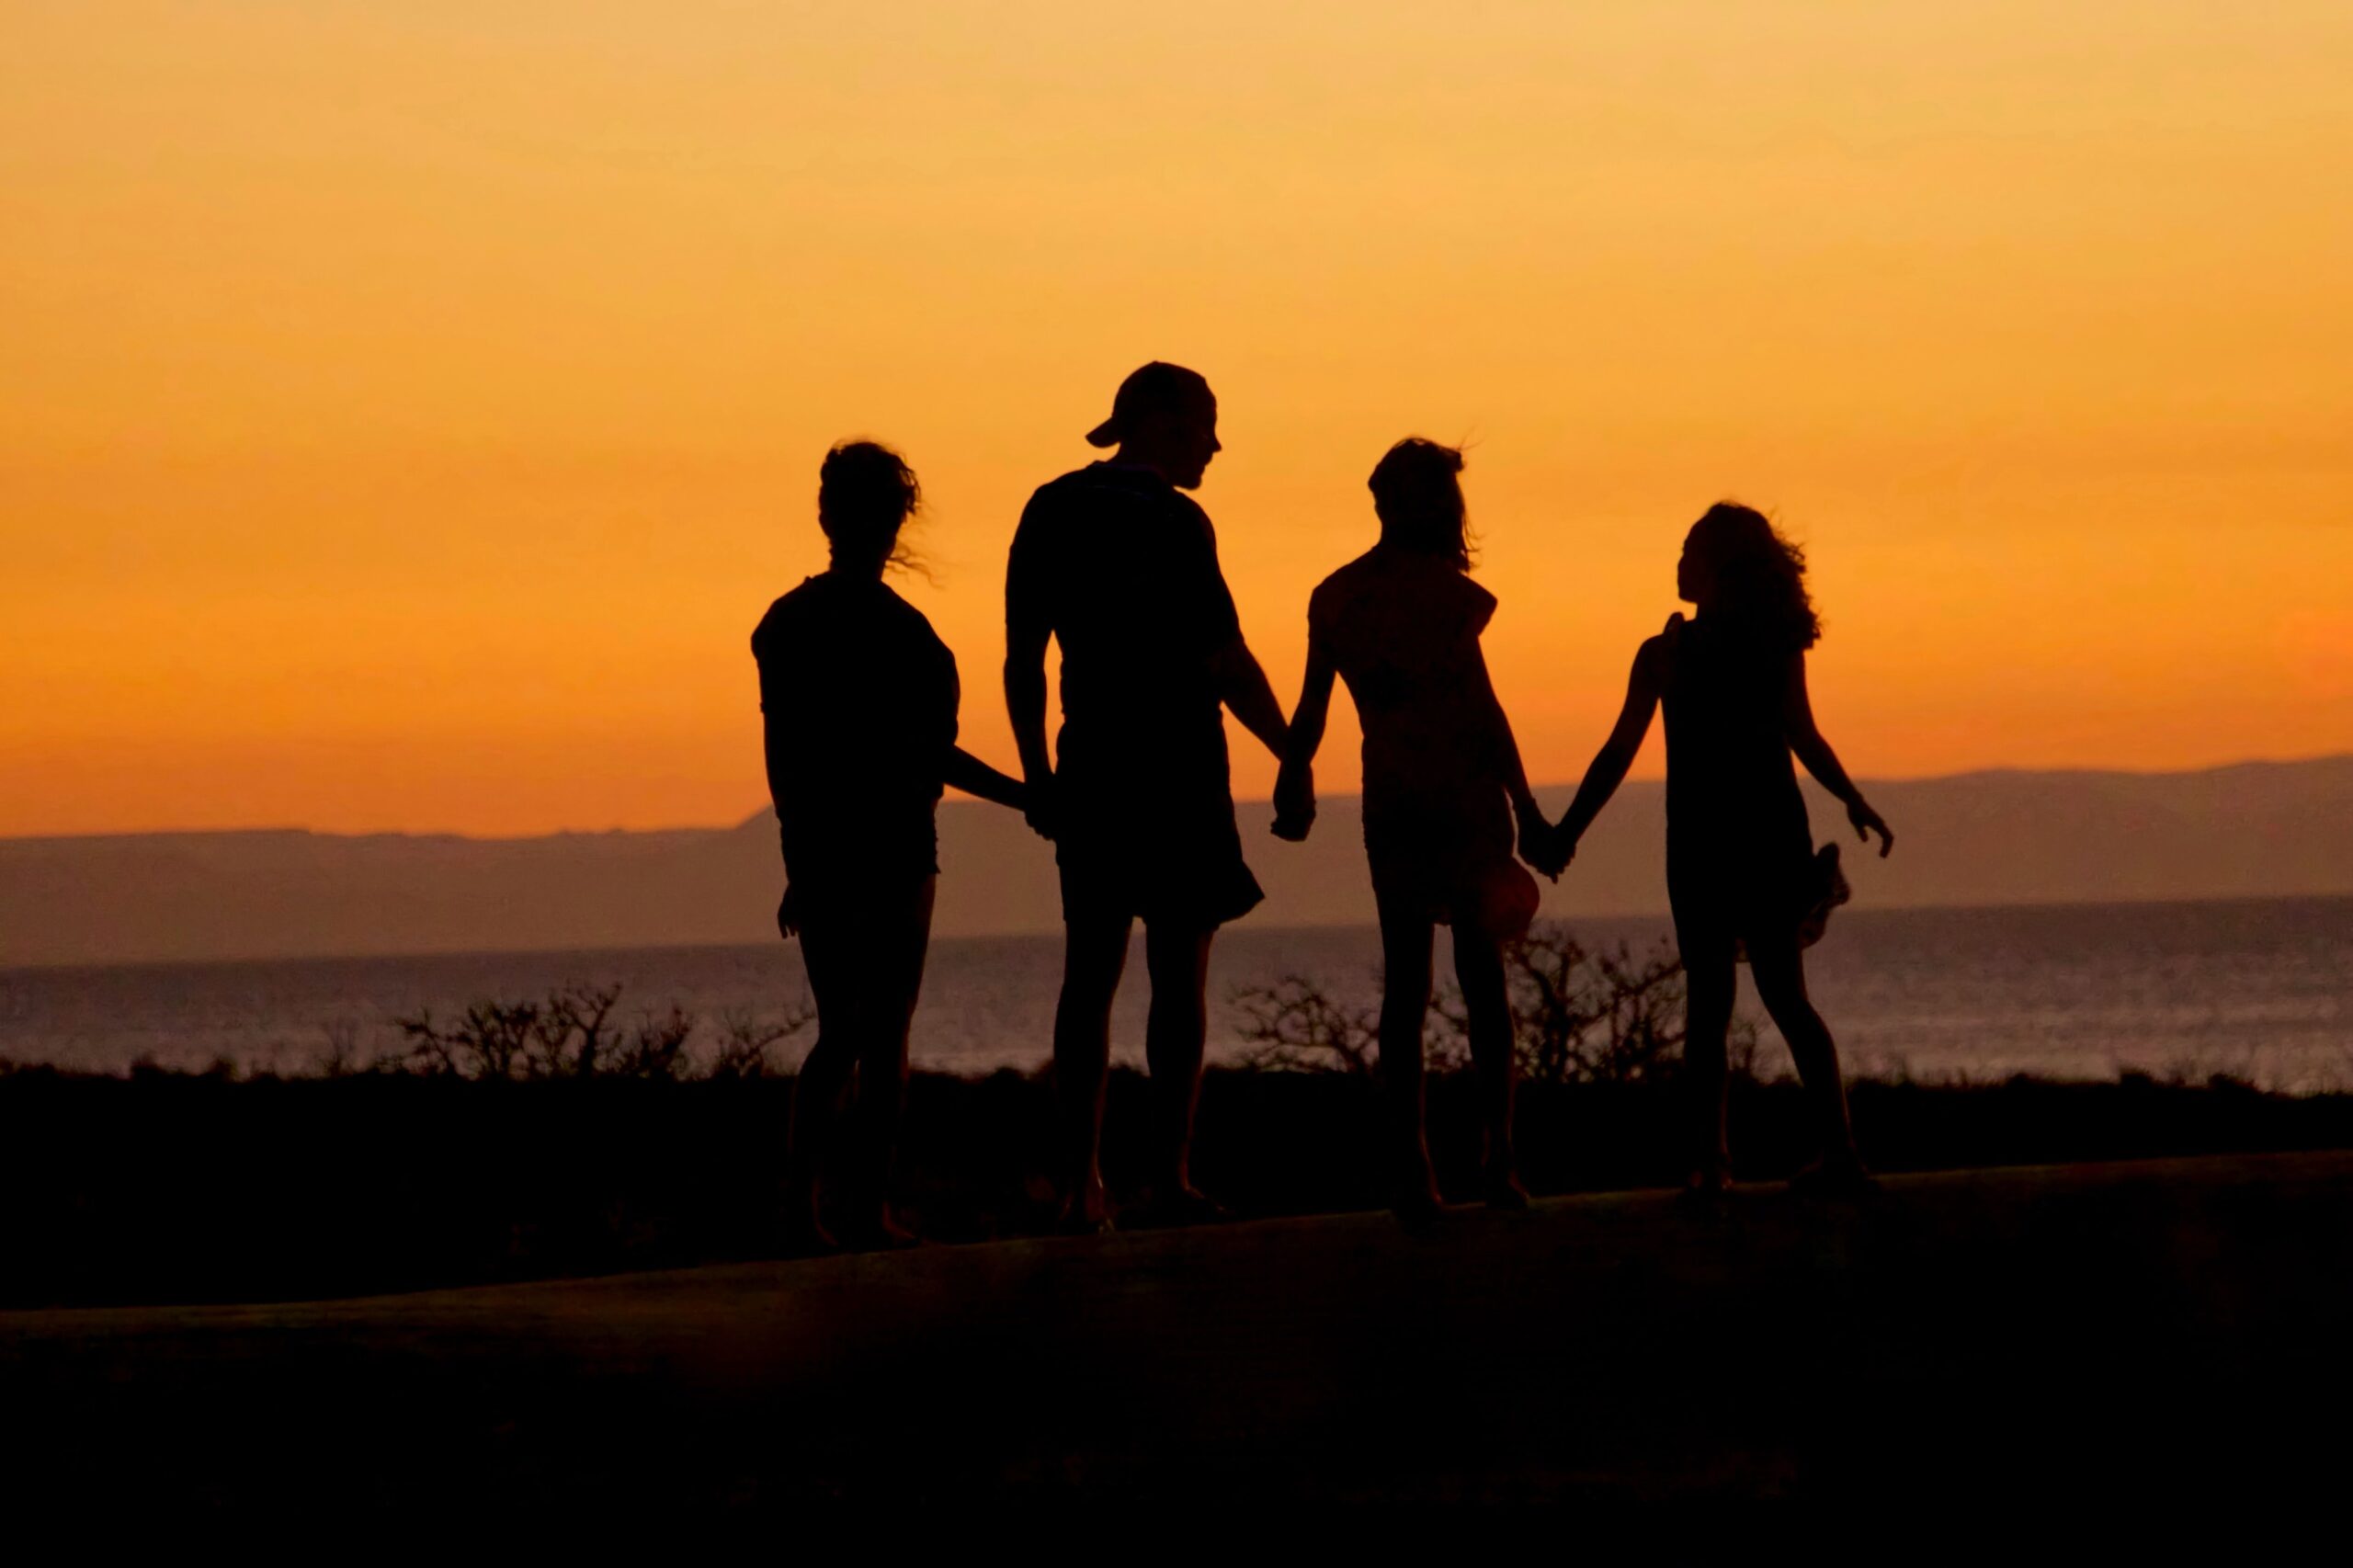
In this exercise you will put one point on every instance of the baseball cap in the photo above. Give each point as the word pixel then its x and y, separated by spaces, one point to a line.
pixel 1149 389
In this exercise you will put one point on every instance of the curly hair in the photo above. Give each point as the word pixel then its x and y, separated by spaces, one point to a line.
pixel 866 493
pixel 1758 577
pixel 1419 500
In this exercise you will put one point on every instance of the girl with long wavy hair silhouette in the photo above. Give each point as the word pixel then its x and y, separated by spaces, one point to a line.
pixel 1442 784
pixel 858 700
pixel 1743 876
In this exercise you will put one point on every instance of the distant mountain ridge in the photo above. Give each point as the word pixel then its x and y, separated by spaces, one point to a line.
pixel 2257 829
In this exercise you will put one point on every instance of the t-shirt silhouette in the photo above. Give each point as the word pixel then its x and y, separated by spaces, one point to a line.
pixel 859 698
pixel 1121 568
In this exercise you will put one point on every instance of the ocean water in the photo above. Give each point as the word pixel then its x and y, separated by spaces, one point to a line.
pixel 2259 989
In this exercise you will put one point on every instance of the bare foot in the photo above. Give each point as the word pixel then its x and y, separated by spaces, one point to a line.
pixel 1086 1212
pixel 883 1232
pixel 1186 1205
pixel 1414 1196
pixel 1705 1187
pixel 1417 1207
pixel 1842 1176
pixel 800 1227
pixel 1505 1191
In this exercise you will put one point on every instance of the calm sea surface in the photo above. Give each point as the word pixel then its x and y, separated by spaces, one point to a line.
pixel 2260 988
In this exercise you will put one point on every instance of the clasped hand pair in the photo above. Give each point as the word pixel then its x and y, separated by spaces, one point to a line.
pixel 1539 844
pixel 1294 802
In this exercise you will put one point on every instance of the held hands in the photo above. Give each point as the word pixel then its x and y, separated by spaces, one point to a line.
pixel 1294 802
pixel 1868 822
pixel 1541 845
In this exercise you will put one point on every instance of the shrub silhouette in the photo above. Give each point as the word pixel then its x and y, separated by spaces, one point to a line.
pixel 1579 1015
pixel 571 1033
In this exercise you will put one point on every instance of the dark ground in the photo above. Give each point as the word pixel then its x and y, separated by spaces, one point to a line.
pixel 173 1187
pixel 2129 1341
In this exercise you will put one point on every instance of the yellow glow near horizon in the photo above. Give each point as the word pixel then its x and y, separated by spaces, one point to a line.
pixel 408 410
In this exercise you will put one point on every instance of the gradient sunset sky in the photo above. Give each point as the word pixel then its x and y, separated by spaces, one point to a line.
pixel 408 408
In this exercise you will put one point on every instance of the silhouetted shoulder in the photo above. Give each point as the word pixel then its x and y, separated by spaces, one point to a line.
pixel 1101 487
pixel 1655 658
pixel 827 599
pixel 1121 569
pixel 769 636
pixel 1385 591
pixel 830 625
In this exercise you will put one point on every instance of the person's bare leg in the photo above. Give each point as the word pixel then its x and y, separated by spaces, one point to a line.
pixel 1777 966
pixel 1486 1002
pixel 1094 951
pixel 823 1083
pixel 1176 1038
pixel 1404 1001
pixel 1709 981
pixel 896 939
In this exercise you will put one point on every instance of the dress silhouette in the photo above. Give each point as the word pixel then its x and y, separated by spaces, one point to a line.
pixel 1442 782
pixel 1743 879
pixel 1119 568
pixel 859 700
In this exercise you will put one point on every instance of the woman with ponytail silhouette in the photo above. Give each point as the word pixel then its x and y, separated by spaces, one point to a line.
pixel 858 700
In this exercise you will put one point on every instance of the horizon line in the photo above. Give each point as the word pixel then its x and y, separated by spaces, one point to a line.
pixel 955 797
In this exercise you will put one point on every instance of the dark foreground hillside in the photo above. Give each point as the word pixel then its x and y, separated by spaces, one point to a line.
pixel 172 1188
pixel 2138 1345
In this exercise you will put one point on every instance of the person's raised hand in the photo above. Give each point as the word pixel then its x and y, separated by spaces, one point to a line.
pixel 1868 822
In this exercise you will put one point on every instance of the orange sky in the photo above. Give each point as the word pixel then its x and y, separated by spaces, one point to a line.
pixel 405 410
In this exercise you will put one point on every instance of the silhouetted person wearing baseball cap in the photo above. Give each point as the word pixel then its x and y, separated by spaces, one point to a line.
pixel 1121 569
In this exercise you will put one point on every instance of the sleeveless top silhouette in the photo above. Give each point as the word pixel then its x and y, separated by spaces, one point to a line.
pixel 859 698
pixel 1402 628
pixel 1122 568
pixel 1739 848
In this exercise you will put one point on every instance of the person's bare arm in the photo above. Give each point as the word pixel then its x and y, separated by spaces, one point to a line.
pixel 1029 626
pixel 1242 687
pixel 1295 784
pixel 1806 740
pixel 1024 700
pixel 774 750
pixel 1535 833
pixel 1617 754
pixel 969 773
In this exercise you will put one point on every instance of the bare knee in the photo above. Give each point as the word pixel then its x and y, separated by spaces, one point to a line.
pixel 832 1057
pixel 1479 970
pixel 1707 996
pixel 1087 993
pixel 1781 986
pixel 1178 957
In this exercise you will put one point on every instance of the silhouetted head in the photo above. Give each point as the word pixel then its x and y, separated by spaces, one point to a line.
pixel 866 493
pixel 1738 569
pixel 1165 418
pixel 1419 500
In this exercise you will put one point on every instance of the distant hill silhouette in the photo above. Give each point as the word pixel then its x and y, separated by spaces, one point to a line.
pixel 2249 830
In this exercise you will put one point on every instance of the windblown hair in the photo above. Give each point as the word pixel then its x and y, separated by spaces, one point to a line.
pixel 1758 577
pixel 1419 501
pixel 866 493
